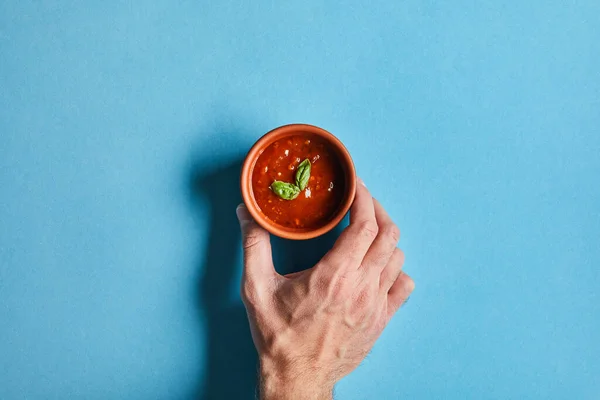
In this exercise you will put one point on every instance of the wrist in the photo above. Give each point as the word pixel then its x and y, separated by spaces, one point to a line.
pixel 285 382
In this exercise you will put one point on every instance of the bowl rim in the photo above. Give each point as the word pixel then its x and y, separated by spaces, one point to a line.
pixel 248 167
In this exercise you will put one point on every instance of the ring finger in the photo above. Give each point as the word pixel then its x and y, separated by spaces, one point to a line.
pixel 391 271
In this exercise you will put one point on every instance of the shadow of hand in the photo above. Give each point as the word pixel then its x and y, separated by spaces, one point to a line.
pixel 231 372
pixel 292 256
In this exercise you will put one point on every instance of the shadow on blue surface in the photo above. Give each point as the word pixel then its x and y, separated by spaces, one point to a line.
pixel 292 256
pixel 232 360
pixel 231 369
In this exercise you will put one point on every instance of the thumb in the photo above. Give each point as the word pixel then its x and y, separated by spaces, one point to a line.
pixel 256 242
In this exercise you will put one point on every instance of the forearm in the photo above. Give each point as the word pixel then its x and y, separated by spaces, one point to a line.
pixel 276 384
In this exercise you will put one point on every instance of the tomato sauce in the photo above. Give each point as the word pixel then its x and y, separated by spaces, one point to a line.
pixel 315 205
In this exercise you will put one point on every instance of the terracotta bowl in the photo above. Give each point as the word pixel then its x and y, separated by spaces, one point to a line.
pixel 248 168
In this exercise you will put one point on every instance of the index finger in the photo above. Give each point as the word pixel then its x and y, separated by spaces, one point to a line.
pixel 352 245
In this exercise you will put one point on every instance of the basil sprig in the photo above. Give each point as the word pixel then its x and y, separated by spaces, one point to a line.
pixel 303 174
pixel 289 191
pixel 285 190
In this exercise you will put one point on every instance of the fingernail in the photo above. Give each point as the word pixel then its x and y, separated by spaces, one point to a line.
pixel 242 213
pixel 361 181
pixel 406 301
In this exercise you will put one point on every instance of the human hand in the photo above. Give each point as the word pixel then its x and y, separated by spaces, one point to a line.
pixel 313 327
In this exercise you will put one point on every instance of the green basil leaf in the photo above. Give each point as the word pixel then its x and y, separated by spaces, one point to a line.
pixel 303 174
pixel 285 190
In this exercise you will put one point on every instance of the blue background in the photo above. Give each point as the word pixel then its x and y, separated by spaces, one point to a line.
pixel 122 126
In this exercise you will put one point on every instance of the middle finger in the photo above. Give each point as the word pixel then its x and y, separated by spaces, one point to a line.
pixel 386 241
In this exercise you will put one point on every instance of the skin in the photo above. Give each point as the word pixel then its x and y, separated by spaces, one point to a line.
pixel 313 327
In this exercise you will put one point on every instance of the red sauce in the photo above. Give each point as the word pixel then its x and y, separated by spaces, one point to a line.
pixel 315 205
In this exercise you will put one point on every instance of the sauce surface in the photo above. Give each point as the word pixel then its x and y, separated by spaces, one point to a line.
pixel 315 205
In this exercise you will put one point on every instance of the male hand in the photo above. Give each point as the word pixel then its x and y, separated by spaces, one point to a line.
pixel 313 327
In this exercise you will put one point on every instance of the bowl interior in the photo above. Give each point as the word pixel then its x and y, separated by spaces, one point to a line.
pixel 343 157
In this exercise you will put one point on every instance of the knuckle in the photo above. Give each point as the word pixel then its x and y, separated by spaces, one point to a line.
pixel 331 287
pixel 391 232
pixel 364 298
pixel 399 256
pixel 368 229
pixel 399 253
pixel 251 240
pixel 249 295
pixel 389 276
